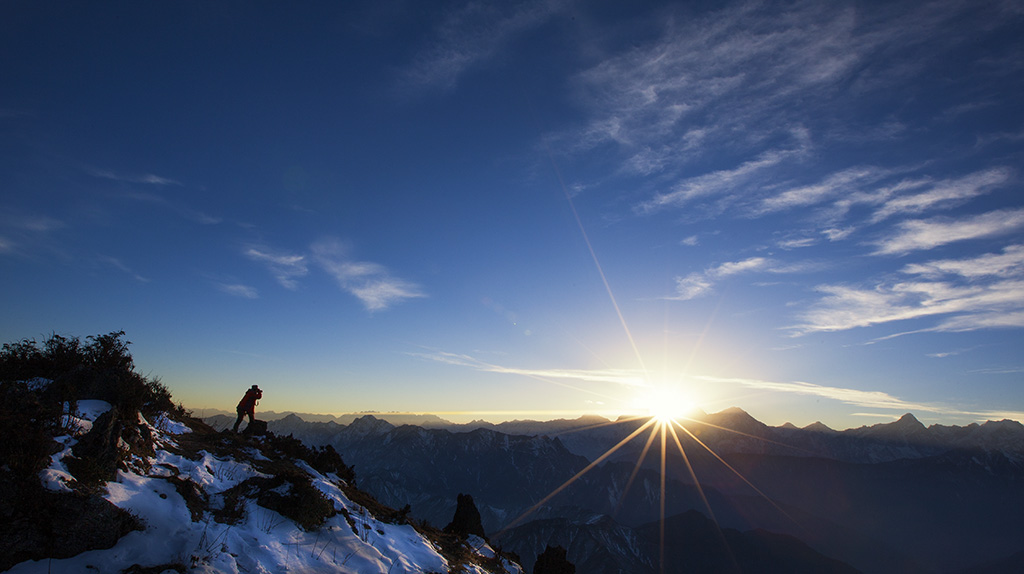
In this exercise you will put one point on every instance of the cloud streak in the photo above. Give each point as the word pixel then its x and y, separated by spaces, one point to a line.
pixel 861 398
pixel 720 182
pixel 981 292
pixel 471 36
pixel 375 287
pixel 286 267
pixel 190 214
pixel 146 178
pixel 370 282
pixel 239 290
pixel 839 183
pixel 624 377
pixel 944 194
pixel 923 234
pixel 872 399
pixel 701 283
pixel 119 265
pixel 740 73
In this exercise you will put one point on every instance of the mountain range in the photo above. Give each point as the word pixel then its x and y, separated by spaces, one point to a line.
pixel 890 497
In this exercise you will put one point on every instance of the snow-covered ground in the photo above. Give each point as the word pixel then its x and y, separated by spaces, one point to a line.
pixel 262 542
pixel 56 476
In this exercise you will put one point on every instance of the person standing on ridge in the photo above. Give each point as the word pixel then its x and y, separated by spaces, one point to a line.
pixel 247 406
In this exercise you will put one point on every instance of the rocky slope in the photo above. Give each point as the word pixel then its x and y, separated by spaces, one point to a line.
pixel 202 501
pixel 99 472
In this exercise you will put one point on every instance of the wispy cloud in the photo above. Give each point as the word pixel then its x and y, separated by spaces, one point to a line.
pixel 872 399
pixel 119 265
pixel 625 377
pixel 703 282
pixel 706 74
pixel 381 293
pixel 188 213
pixel 1009 263
pixel 472 35
pixel 286 267
pixel 920 234
pixel 25 234
pixel 838 193
pixel 944 194
pixel 731 71
pixel 40 224
pixel 375 287
pixel 797 243
pixel 868 399
pixel 239 290
pixel 703 111
pixel 149 196
pixel 370 282
pixel 146 178
pixel 718 182
pixel 840 183
pixel 982 292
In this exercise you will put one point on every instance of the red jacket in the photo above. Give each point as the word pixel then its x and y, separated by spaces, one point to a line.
pixel 248 402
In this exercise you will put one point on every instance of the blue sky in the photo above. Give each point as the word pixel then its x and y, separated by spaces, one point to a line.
pixel 498 210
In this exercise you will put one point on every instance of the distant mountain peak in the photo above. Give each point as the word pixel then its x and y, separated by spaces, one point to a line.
pixel 737 418
pixel 818 426
pixel 908 422
pixel 369 424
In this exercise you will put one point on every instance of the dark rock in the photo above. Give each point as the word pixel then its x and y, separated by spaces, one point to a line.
pixel 467 518
pixel 552 561
pixel 98 451
pixel 36 523
pixel 256 428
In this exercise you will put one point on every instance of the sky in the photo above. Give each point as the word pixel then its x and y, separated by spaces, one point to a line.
pixel 527 210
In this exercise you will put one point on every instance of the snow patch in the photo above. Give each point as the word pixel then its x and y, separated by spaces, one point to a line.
pixel 169 426
pixel 37 383
pixel 56 476
pixel 91 409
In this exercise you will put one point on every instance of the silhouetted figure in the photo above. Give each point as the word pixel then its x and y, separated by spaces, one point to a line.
pixel 552 561
pixel 467 518
pixel 247 406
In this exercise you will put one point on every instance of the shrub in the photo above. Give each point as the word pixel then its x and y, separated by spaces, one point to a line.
pixel 21 360
pixel 324 459
pixel 298 500
pixel 102 368
pixel 27 425
pixel 302 502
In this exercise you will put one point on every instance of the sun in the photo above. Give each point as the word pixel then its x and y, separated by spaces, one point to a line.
pixel 665 403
